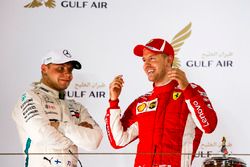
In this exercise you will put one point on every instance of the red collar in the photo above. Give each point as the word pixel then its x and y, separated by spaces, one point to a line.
pixel 165 88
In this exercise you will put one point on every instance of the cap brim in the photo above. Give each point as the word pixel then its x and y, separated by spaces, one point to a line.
pixel 138 50
pixel 76 64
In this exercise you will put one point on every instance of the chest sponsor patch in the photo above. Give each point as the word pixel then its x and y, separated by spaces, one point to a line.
pixel 147 106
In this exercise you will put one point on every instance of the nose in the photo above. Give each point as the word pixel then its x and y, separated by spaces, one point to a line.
pixel 68 73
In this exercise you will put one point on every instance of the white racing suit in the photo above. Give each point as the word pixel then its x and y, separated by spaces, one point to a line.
pixel 44 145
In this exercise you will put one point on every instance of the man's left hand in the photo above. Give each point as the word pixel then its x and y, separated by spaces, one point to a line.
pixel 179 76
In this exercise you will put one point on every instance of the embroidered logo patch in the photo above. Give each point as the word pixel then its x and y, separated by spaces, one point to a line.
pixel 176 95
pixel 146 106
pixel 141 107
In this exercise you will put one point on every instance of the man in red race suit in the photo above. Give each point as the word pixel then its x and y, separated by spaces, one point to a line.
pixel 168 121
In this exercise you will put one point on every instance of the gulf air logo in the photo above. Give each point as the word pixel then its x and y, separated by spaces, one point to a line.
pixel 176 95
pixel 38 3
pixel 147 106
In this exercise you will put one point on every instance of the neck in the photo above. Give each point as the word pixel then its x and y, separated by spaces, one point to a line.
pixel 45 83
pixel 162 83
pixel 50 85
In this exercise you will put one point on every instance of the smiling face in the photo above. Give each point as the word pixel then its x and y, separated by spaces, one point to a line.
pixel 156 66
pixel 57 76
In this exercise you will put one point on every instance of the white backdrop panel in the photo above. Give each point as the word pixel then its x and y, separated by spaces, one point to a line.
pixel 103 40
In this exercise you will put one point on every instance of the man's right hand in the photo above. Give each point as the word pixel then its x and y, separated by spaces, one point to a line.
pixel 86 125
pixel 115 87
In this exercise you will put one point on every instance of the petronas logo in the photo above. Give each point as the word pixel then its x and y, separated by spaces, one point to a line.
pixel 38 3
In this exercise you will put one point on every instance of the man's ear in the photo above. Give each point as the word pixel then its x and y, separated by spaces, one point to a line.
pixel 44 68
pixel 171 59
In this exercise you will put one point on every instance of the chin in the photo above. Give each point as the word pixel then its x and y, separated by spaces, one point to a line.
pixel 151 79
pixel 63 87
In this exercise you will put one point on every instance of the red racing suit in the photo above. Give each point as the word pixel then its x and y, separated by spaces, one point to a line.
pixel 168 122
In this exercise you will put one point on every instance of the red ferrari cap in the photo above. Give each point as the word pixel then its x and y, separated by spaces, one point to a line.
pixel 156 45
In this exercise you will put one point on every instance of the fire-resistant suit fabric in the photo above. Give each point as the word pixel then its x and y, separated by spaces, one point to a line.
pixel 43 144
pixel 169 123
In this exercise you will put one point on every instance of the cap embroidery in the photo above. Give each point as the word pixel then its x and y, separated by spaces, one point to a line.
pixel 66 53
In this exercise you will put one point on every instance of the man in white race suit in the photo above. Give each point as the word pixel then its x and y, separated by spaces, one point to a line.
pixel 50 126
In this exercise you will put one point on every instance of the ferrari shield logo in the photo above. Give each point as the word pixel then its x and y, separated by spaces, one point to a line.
pixel 176 95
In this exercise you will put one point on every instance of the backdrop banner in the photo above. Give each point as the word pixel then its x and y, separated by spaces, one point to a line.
pixel 102 35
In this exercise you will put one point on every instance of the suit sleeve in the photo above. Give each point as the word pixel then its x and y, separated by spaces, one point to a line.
pixel 30 117
pixel 201 108
pixel 84 137
pixel 121 130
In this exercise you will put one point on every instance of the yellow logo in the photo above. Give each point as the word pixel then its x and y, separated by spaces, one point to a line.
pixel 38 3
pixel 141 107
pixel 176 95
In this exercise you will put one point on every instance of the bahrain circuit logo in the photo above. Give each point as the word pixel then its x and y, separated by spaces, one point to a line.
pixel 178 41
pixel 38 3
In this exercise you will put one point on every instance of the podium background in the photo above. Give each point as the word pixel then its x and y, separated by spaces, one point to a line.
pixel 215 56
